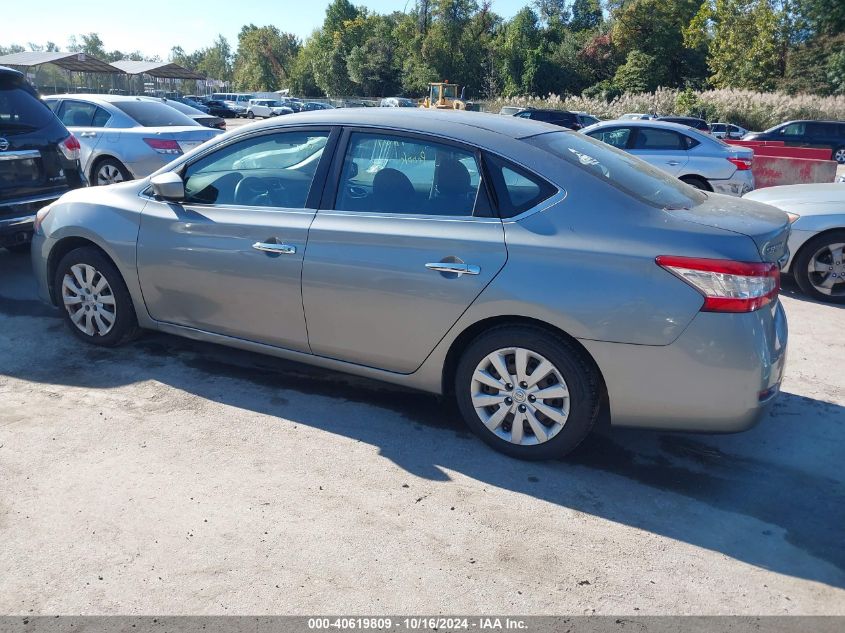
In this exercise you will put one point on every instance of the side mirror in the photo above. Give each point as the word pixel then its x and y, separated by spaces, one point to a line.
pixel 168 186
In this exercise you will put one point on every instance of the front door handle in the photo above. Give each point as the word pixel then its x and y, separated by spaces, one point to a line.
pixel 458 268
pixel 673 163
pixel 275 249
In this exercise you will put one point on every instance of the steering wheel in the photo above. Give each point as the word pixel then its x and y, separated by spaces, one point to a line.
pixel 260 192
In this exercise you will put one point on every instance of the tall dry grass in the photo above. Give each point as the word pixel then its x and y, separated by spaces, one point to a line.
pixel 752 110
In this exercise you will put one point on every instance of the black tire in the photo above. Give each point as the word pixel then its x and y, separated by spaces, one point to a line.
pixel 250 114
pixel 108 162
pixel 23 247
pixel 698 183
pixel 839 155
pixel 125 326
pixel 802 261
pixel 578 372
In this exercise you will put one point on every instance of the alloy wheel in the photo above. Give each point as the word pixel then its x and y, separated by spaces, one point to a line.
pixel 520 396
pixel 89 300
pixel 108 174
pixel 839 156
pixel 826 270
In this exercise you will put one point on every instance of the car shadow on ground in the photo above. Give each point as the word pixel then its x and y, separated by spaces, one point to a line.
pixel 770 497
pixel 790 289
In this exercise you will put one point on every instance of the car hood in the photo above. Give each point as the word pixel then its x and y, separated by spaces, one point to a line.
pixel 766 225
pixel 812 199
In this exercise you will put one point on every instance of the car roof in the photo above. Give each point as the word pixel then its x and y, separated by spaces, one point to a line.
pixel 98 98
pixel 5 70
pixel 552 110
pixel 653 123
pixel 458 123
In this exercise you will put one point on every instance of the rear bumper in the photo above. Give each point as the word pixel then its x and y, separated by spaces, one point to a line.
pixel 17 216
pixel 737 185
pixel 721 375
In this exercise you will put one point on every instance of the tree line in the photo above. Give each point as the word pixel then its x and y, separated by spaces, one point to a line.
pixel 564 47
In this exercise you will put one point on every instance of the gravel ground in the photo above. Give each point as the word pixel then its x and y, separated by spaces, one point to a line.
pixel 172 477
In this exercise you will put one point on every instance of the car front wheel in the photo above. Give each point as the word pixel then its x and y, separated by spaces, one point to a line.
pixel 96 304
pixel 819 268
pixel 527 392
pixel 839 155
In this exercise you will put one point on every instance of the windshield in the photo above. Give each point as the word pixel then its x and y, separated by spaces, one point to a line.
pixel 154 114
pixel 619 169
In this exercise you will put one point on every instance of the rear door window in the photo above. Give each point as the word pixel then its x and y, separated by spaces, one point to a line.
pixel 386 173
pixel 656 139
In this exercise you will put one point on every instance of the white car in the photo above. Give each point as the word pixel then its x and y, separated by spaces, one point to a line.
pixel 727 130
pixel 636 116
pixel 266 108
pixel 817 240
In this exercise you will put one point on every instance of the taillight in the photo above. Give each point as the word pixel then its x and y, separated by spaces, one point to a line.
pixel 164 145
pixel 742 164
pixel 70 147
pixel 727 286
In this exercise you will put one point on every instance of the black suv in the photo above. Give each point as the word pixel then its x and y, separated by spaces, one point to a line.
pixel 822 134
pixel 39 158
pixel 563 118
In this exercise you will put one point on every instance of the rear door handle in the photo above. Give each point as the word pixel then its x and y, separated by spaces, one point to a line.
pixel 87 134
pixel 454 267
pixel 674 163
pixel 277 249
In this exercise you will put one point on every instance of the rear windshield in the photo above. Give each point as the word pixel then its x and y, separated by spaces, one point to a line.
pixel 152 114
pixel 20 110
pixel 619 169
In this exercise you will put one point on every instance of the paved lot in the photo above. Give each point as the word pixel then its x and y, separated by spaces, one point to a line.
pixel 171 477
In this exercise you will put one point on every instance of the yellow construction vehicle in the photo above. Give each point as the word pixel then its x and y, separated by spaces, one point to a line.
pixel 444 96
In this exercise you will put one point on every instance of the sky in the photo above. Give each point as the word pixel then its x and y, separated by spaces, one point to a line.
pixel 155 26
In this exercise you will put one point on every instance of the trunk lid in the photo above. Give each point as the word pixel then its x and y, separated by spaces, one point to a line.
pixel 187 137
pixel 766 225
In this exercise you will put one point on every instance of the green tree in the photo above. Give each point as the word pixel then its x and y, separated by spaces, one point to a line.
pixel 742 38
pixel 638 74
pixel 586 15
pixel 265 58
pixel 655 27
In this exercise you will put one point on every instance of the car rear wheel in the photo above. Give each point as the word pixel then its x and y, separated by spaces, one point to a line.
pixel 526 392
pixel 96 304
pixel 698 183
pixel 839 155
pixel 250 114
pixel 819 267
pixel 109 171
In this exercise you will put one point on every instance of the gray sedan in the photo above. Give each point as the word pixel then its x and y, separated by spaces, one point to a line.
pixel 695 157
pixel 540 277
pixel 123 137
